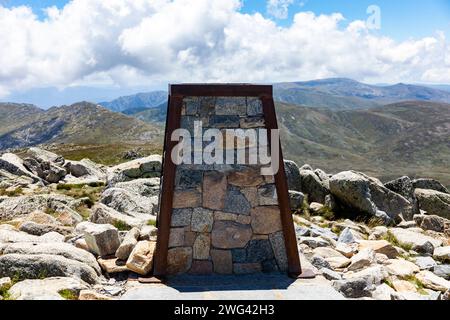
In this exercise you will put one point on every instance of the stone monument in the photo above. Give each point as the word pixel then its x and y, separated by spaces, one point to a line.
pixel 223 217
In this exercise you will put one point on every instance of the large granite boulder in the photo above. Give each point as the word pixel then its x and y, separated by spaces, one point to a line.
pixel 12 164
pixel 292 175
pixel 129 203
pixel 23 205
pixel 434 202
pixel 85 168
pixel 36 266
pixel 404 187
pixel 47 289
pixel 314 185
pixel 369 196
pixel 430 184
pixel 148 167
pixel 102 214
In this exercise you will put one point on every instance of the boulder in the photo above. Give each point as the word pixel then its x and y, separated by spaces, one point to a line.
pixel 442 270
pixel 148 167
pixel 379 246
pixel 41 229
pixel 313 186
pixel 45 156
pixel 362 259
pixel 92 295
pixel 434 202
pixel 432 222
pixel 425 263
pixel 128 244
pixel 35 266
pixel 432 281
pixel 112 266
pixel 369 196
pixel 45 170
pixel 296 199
pixel 14 236
pixel 383 292
pixel 401 268
pixel 102 214
pixel 375 275
pixel 102 239
pixel 46 289
pixel 429 184
pixel 417 241
pixel 5 283
pixel 442 254
pixel 320 263
pixel 314 242
pixel 354 287
pixel 129 203
pixel 141 258
pixel 60 249
pixel 349 236
pixel 330 274
pixel 292 175
pixel 12 164
pixel 14 207
pixel 404 187
pixel 85 168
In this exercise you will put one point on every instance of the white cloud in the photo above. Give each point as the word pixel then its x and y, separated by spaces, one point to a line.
pixel 279 8
pixel 137 42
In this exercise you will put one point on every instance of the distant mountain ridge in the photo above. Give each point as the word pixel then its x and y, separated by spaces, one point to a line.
pixel 333 93
pixel 140 100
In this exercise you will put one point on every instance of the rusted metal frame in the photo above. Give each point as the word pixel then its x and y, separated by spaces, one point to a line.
pixel 217 90
pixel 168 186
pixel 290 239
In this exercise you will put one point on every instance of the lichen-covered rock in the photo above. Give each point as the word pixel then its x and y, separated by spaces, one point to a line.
pixel 404 187
pixel 292 175
pixel 429 184
pixel 102 214
pixel 417 241
pixel 313 186
pixel 148 167
pixel 46 289
pixel 35 266
pixel 60 249
pixel 368 196
pixel 434 202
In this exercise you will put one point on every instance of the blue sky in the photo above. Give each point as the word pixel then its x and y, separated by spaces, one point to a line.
pixel 401 19
pixel 98 49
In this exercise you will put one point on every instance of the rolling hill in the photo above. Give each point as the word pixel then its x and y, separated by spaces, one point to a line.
pixel 81 123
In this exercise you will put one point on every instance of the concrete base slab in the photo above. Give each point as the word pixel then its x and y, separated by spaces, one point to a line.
pixel 242 287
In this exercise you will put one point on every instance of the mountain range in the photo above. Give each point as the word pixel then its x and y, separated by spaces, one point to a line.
pixel 334 124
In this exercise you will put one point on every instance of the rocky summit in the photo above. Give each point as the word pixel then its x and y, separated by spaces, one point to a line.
pixel 81 230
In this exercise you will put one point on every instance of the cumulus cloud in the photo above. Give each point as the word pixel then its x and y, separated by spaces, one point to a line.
pixel 138 42
pixel 279 8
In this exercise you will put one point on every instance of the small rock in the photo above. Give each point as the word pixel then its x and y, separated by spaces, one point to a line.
pixel 363 259
pixel 81 244
pixel 401 268
pixel 330 274
pixel 354 288
pixel 102 239
pixel 112 265
pixel 141 258
pixel 425 263
pixel 383 292
pixel 404 286
pixel 379 246
pixel 378 233
pixel 347 236
pixel 348 250
pixel 296 199
pixel 314 242
pixel 315 207
pixel 432 281
pixel 5 283
pixel 319 262
pixel 92 295
pixel 374 275
pixel 417 241
pixel 442 271
pixel 442 254
pixel 338 262
pixel 46 289
pixel 128 244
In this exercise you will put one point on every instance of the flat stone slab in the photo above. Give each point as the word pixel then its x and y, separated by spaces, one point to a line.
pixel 234 287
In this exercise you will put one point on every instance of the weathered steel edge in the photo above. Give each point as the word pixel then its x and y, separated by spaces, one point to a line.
pixel 176 94
pixel 290 239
